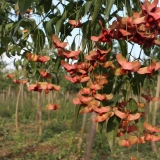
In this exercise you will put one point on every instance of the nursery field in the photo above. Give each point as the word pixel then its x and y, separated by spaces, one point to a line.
pixel 60 139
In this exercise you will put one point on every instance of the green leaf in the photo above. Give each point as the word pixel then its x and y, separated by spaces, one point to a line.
pixel 2 50
pixel 39 40
pixel 128 7
pixel 118 87
pixel 147 51
pixel 33 69
pixel 57 64
pixel 136 88
pixel 139 78
pixel 86 30
pixel 87 6
pixel 137 6
pixel 39 10
pixel 108 88
pixel 2 16
pixel 80 13
pixel 49 28
pixel 72 9
pixel 78 107
pixel 123 47
pixel 25 23
pixel 73 45
pixel 136 82
pixel 25 62
pixel 54 78
pixel 109 4
pixel 84 44
pixel 132 106
pixel 8 27
pixel 24 5
pixel 5 42
pixel 100 129
pixel 17 26
pixel 60 22
pixel 124 92
pixel 119 4
pixel 113 101
pixel 15 50
pixel 59 26
pixel 112 130
pixel 65 31
pixel 97 29
pixel 100 126
pixel 22 43
pixel 96 12
pixel 47 5
pixel 16 63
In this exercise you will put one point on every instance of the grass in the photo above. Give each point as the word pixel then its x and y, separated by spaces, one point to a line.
pixel 59 142
pixel 59 139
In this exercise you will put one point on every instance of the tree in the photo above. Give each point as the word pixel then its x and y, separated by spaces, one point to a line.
pixel 111 83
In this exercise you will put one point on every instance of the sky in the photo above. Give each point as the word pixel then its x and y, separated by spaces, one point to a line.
pixel 135 50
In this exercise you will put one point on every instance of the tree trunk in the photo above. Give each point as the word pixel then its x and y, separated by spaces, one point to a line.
pixel 49 101
pixel 147 106
pixel 17 104
pixel 39 112
pixel 3 99
pixel 90 138
pixel 57 111
pixel 80 141
pixel 9 97
pixel 153 144
pixel 38 103
pixel 22 96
